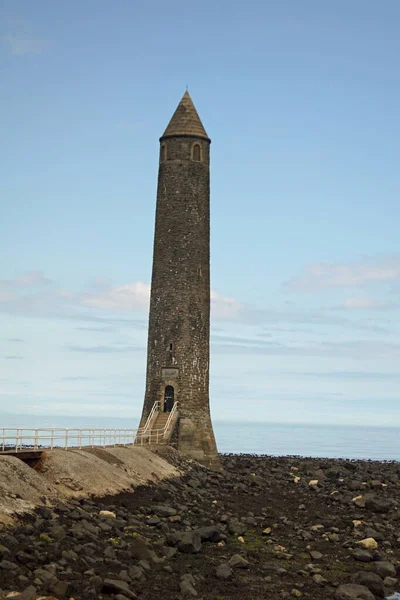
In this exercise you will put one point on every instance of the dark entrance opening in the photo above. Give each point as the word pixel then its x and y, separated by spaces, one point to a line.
pixel 168 398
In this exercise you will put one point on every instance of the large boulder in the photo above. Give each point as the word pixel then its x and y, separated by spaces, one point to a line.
pixel 141 549
pixel 117 586
pixel 371 580
pixel 188 542
pixel 209 534
pixel 353 591
pixel 384 568
pixel 163 510
pixel 378 505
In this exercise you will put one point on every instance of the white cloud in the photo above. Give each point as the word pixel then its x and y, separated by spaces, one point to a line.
pixel 225 307
pixel 30 279
pixel 19 46
pixel 327 275
pixel 129 297
pixel 363 304
pixel 136 297
pixel 355 349
pixel 32 295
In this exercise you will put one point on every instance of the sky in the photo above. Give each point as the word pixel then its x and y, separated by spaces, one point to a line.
pixel 301 102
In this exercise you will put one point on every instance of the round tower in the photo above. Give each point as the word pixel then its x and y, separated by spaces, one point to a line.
pixel 178 352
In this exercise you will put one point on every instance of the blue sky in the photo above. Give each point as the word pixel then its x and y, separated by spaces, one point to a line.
pixel 301 102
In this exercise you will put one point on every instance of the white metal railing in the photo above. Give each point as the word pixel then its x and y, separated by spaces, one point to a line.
pixel 157 436
pixel 150 419
pixel 19 439
pixel 169 425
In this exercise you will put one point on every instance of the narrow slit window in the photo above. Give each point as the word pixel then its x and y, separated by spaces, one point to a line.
pixel 163 153
pixel 197 153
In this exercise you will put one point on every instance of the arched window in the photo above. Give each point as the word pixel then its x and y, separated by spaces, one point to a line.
pixel 169 394
pixel 163 153
pixel 196 152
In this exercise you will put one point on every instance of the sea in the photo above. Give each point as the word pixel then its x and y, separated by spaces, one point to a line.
pixel 277 439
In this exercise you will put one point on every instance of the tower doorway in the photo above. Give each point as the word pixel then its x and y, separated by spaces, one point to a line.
pixel 168 398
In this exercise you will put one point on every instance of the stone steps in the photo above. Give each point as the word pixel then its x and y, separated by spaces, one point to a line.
pixel 160 424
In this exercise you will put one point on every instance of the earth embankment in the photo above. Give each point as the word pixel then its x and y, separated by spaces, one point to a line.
pixel 63 474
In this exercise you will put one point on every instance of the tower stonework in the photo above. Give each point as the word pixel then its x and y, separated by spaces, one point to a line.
pixel 178 350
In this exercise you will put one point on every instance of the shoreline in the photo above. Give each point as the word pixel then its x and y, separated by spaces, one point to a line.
pixel 266 527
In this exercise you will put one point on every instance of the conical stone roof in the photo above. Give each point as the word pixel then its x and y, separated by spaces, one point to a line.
pixel 185 120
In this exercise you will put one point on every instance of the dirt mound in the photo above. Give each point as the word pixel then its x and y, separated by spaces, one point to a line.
pixel 62 474
pixel 103 471
pixel 22 488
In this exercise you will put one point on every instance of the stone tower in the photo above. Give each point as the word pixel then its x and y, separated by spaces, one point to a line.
pixel 178 348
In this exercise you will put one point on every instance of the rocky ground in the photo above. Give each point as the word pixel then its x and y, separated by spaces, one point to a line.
pixel 265 528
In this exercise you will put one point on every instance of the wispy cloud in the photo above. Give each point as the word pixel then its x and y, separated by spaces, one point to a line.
pixel 105 349
pixel 19 46
pixel 105 329
pixel 129 297
pixel 225 307
pixel 353 274
pixel 106 305
pixel 346 375
pixel 33 294
pixel 12 357
pixel 79 378
pixel 356 349
pixel 259 316
pixel 365 304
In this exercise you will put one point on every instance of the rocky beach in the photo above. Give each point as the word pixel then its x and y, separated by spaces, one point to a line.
pixel 262 528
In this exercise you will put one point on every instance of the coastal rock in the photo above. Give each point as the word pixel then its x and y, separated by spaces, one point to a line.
pixel 368 544
pixel 370 580
pixel 352 591
pixel 361 555
pixel 117 586
pixel 238 562
pixel 187 541
pixel 210 533
pixel 108 514
pixel 29 593
pixel 187 585
pixel 384 568
pixel 378 505
pixel 163 510
pixel 224 571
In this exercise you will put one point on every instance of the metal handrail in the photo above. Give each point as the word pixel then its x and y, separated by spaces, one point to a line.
pixel 155 436
pixel 171 418
pixel 48 438
pixel 155 409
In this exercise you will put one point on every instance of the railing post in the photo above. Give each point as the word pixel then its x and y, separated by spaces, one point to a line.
pixel 36 440
pixel 66 439
pixel 4 433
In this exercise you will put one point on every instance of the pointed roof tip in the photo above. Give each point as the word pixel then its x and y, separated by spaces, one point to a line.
pixel 185 120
